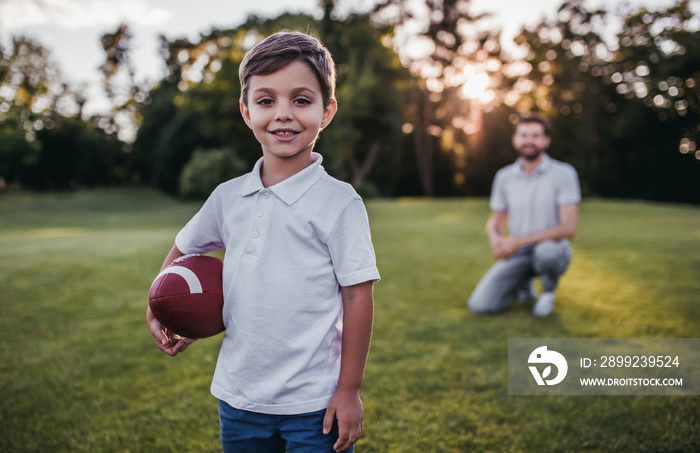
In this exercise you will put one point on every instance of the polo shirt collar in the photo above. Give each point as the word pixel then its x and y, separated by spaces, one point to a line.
pixel 544 165
pixel 292 188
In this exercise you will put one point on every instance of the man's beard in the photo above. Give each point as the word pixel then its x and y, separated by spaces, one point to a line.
pixel 531 157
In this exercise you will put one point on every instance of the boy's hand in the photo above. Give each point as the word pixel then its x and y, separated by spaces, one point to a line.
pixel 346 407
pixel 167 342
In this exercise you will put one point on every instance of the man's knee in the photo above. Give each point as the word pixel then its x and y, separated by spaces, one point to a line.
pixel 481 304
pixel 548 250
pixel 551 256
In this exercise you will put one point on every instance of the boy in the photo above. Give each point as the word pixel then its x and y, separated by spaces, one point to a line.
pixel 298 268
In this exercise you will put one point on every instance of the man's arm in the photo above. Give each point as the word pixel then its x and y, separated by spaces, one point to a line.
pixel 565 229
pixel 345 405
pixel 496 228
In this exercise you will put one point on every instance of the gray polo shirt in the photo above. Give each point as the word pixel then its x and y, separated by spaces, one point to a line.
pixel 532 201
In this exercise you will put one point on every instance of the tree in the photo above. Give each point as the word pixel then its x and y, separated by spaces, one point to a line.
pixel 45 143
pixel 26 83
pixel 562 78
pixel 126 94
pixel 19 148
pixel 187 113
pixel 657 72
pixel 76 154
pixel 196 106
pixel 366 134
pixel 619 105
pixel 32 98
pixel 456 88
pixel 207 169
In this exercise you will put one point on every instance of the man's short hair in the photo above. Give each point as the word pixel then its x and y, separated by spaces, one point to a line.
pixel 279 50
pixel 535 118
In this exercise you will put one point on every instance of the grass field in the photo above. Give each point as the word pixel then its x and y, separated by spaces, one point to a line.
pixel 79 371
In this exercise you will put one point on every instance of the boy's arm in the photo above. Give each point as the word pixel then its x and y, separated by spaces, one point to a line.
pixel 345 405
pixel 170 345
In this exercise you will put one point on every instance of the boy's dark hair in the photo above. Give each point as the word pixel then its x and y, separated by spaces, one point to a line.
pixel 278 50
pixel 536 118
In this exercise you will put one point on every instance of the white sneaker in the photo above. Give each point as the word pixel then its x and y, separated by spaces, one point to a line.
pixel 544 305
pixel 527 293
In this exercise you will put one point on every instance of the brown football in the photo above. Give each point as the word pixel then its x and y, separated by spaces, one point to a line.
pixel 187 297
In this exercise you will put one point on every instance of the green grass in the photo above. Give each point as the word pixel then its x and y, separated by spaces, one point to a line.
pixel 79 371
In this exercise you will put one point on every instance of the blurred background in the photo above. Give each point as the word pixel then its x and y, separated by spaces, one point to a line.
pixel 427 90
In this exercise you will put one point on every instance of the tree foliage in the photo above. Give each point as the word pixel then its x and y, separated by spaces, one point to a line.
pixel 621 87
pixel 365 137
pixel 76 154
pixel 625 110
pixel 623 106
pixel 197 104
pixel 206 169
pixel 44 143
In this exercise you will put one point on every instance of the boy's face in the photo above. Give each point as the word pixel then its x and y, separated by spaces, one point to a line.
pixel 285 111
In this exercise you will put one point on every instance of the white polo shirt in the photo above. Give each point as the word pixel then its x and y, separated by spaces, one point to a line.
pixel 289 249
pixel 533 200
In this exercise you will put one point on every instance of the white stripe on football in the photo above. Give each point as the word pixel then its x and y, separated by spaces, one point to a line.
pixel 189 276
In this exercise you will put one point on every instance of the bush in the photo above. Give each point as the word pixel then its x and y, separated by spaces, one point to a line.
pixel 368 190
pixel 206 169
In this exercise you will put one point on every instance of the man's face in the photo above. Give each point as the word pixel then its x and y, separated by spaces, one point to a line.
pixel 530 140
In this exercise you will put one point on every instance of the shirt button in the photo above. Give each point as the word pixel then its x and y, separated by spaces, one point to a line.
pixel 255 234
pixel 260 213
pixel 266 195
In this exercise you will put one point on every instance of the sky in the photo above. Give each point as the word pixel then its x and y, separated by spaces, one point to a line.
pixel 71 29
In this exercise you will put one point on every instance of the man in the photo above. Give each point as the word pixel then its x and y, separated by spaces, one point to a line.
pixel 538 198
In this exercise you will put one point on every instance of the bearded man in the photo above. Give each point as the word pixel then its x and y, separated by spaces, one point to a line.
pixel 537 197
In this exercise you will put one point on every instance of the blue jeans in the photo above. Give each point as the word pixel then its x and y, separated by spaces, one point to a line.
pixel 251 432
pixel 547 260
